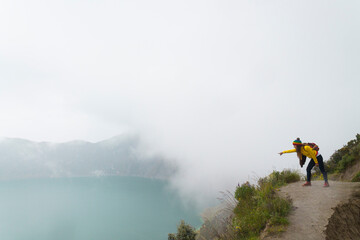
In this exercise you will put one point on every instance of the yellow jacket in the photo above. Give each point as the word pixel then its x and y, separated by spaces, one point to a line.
pixel 305 150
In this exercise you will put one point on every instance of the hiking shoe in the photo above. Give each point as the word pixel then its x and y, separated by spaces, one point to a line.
pixel 326 184
pixel 307 184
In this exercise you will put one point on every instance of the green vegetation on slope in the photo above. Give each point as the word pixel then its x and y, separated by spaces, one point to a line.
pixel 184 232
pixel 259 206
pixel 356 178
pixel 345 157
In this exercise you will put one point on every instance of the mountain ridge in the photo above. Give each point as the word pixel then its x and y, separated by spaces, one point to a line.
pixel 119 155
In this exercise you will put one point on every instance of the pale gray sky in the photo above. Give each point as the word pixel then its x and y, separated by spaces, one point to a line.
pixel 222 86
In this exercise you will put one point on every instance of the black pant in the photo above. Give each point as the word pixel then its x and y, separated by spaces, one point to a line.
pixel 321 166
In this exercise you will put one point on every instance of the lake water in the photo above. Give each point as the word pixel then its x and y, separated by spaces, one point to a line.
pixel 105 208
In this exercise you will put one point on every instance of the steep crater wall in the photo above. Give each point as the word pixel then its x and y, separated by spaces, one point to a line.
pixel 345 221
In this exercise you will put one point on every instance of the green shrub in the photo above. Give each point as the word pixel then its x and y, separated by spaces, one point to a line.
pixel 279 207
pixel 171 236
pixel 290 176
pixel 278 179
pixel 356 178
pixel 245 191
pixel 259 205
pixel 184 232
pixel 344 157
pixel 278 220
pixel 346 161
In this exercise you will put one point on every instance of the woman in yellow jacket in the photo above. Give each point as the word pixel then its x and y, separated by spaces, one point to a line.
pixel 316 159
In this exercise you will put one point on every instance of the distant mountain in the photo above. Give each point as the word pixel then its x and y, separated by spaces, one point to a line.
pixel 119 155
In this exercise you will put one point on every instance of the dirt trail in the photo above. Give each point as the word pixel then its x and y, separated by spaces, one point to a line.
pixel 313 206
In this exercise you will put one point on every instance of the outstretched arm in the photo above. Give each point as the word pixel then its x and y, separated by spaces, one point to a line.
pixel 287 151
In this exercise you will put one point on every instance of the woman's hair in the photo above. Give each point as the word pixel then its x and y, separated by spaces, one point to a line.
pixel 298 146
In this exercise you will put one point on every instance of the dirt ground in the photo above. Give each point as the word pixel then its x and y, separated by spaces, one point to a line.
pixel 313 206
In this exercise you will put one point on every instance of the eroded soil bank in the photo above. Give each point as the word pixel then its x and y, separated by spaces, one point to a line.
pixel 345 222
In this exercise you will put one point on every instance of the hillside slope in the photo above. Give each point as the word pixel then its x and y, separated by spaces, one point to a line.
pixel 313 206
pixel 121 155
pixel 344 164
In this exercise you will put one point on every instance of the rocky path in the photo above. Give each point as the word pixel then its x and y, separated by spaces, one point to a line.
pixel 313 206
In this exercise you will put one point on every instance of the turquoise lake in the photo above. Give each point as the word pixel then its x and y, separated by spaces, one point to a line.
pixel 104 208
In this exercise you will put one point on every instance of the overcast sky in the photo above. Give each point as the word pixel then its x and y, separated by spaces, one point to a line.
pixel 221 86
